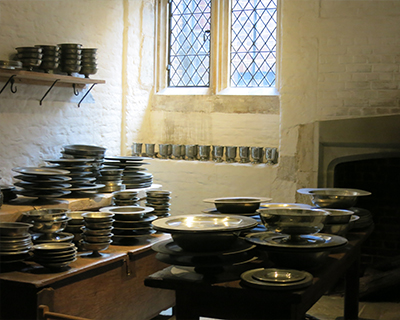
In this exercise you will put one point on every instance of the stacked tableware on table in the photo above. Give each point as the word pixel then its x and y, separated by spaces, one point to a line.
pixel 54 255
pixel 133 176
pixel 97 232
pixel 88 61
pixel 30 57
pixel 15 241
pixel 94 155
pixel 80 174
pixel 207 242
pixel 131 223
pixel 75 225
pixel 48 224
pixel 125 198
pixel 292 239
pixel 42 183
pixel 50 58
pixel 159 200
pixel 70 59
pixel 111 179
pixel 339 201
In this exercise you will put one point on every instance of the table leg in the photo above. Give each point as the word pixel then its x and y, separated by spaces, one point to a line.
pixel 352 290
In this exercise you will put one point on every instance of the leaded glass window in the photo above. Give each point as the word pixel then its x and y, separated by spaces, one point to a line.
pixel 189 43
pixel 253 43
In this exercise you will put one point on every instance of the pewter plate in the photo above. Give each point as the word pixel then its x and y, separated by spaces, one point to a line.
pixel 170 247
pixel 200 223
pixel 215 211
pixel 43 179
pixel 279 275
pixel 126 159
pixel 317 241
pixel 237 200
pixel 54 246
pixel 334 192
pixel 42 194
pixel 249 279
pixel 40 171
pixel 69 161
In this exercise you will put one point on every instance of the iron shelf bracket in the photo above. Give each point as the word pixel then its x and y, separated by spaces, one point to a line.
pixel 76 92
pixel 12 88
pixel 79 104
pixel 47 92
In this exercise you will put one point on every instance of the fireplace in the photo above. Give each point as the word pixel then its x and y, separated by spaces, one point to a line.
pixel 364 154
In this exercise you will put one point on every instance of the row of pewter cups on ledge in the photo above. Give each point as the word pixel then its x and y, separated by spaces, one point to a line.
pixel 206 152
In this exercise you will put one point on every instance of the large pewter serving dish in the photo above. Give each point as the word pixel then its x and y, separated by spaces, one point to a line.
pixel 335 198
pixel 128 212
pixel 204 232
pixel 204 223
pixel 237 204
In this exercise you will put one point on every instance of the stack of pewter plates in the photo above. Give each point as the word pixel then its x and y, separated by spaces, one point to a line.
pixel 126 198
pixel 111 179
pixel 159 200
pixel 15 241
pixel 54 255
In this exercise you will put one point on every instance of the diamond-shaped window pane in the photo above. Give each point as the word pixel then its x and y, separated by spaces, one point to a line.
pixel 253 46
pixel 189 45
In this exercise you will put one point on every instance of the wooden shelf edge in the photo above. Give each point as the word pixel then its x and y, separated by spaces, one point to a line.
pixel 39 78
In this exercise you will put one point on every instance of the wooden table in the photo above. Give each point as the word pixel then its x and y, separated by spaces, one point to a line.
pixel 223 296
pixel 107 287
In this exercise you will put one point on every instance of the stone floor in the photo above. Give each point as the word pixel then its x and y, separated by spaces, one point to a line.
pixel 331 308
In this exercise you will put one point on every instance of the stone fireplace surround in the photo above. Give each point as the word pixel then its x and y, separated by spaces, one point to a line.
pixel 352 145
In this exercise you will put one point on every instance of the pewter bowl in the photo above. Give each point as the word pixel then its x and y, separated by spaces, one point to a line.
pixel 335 198
pixel 338 216
pixel 237 204
pixel 45 214
pixel 49 227
pixel 125 194
pixel 293 221
pixel 14 228
pixel 128 212
pixel 97 217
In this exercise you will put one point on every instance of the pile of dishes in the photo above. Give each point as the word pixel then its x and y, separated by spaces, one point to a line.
pixel 70 59
pixel 42 183
pixel 88 61
pixel 80 174
pixel 97 233
pixel 126 198
pixel 130 223
pixel 207 242
pixel 159 200
pixel 48 224
pixel 30 57
pixel 133 176
pixel 341 199
pixel 292 239
pixel 75 225
pixel 50 57
pixel 93 154
pixel 15 241
pixel 111 179
pixel 54 255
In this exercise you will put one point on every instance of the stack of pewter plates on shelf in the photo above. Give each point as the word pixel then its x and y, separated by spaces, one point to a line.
pixel 159 201
pixel 111 179
pixel 54 255
pixel 15 241
pixel 50 58
pixel 80 174
pixel 88 62
pixel 133 176
pixel 126 198
pixel 71 55
pixel 131 223
pixel 94 155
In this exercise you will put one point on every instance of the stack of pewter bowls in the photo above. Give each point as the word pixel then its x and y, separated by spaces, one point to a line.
pixel 88 62
pixel 126 198
pixel 71 55
pixel 50 58
pixel 97 234
pixel 159 201
pixel 30 57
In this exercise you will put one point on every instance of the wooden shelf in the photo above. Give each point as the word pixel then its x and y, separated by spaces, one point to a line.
pixel 47 79
pixel 39 78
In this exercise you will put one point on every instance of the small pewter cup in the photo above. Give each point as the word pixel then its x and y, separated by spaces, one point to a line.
pixel 183 151
pixel 136 149
pixel 231 154
pixel 257 154
pixel 218 153
pixel 244 154
pixel 177 151
pixel 204 153
pixel 149 150
pixel 164 150
pixel 191 151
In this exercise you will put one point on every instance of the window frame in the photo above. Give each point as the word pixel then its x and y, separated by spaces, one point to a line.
pixel 219 55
